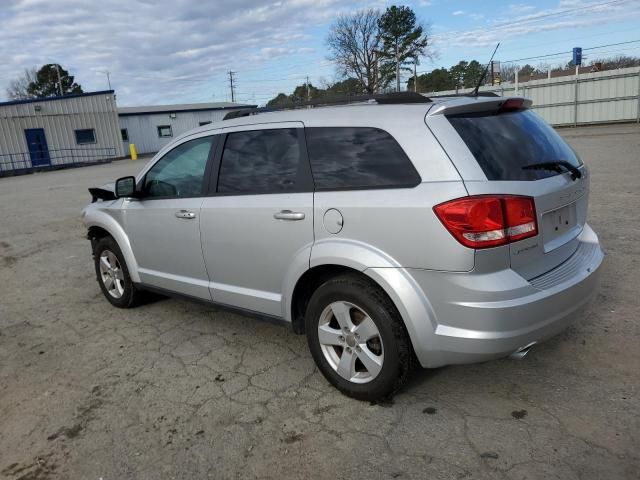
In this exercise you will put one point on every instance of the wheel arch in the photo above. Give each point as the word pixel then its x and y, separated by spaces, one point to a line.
pixel 101 225
pixel 331 258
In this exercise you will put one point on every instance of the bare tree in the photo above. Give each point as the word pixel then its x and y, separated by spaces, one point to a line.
pixel 508 72
pixel 355 44
pixel 18 88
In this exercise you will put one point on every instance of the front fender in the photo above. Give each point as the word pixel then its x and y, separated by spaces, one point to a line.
pixel 412 304
pixel 96 217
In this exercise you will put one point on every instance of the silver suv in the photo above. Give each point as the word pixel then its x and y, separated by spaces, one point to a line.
pixel 439 231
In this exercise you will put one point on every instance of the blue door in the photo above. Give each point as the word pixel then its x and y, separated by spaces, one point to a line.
pixel 38 149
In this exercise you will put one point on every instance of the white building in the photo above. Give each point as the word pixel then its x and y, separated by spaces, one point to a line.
pixel 151 128
pixel 55 132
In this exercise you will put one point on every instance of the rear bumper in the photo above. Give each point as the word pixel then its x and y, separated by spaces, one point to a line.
pixel 478 317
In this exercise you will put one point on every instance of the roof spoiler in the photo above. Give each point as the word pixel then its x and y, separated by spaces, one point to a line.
pixel 471 94
pixel 382 99
pixel 480 104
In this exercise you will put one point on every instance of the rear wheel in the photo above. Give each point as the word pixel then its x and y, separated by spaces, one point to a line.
pixel 113 275
pixel 357 338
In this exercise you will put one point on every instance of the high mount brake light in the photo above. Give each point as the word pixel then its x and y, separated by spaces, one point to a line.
pixel 484 221
pixel 512 104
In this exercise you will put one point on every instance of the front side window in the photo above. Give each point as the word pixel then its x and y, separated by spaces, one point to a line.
pixel 260 161
pixel 345 158
pixel 86 135
pixel 125 134
pixel 165 131
pixel 180 172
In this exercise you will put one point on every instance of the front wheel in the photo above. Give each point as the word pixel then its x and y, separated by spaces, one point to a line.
pixel 357 338
pixel 113 275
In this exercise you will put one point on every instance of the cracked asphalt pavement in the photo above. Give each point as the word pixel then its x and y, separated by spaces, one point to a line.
pixel 180 390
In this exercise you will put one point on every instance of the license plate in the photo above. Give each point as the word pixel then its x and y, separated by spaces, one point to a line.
pixel 559 222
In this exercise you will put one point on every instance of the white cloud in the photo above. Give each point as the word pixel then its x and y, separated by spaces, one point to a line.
pixel 520 8
pixel 458 12
pixel 530 21
pixel 159 51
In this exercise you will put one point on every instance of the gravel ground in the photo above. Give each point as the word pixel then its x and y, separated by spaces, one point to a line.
pixel 175 389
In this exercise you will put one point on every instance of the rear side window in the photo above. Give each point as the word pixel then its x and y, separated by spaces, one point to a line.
pixel 260 161
pixel 504 143
pixel 344 158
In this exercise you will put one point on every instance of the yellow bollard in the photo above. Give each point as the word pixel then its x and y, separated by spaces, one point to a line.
pixel 133 152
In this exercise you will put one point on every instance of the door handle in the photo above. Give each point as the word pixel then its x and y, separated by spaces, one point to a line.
pixel 288 215
pixel 185 214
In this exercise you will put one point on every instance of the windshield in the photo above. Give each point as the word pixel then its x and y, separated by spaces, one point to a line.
pixel 503 143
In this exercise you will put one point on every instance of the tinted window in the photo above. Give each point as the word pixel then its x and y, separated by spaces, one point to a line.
pixel 503 143
pixel 180 172
pixel 87 135
pixel 260 161
pixel 125 134
pixel 346 157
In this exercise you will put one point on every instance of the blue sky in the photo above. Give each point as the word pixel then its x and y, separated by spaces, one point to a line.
pixel 178 51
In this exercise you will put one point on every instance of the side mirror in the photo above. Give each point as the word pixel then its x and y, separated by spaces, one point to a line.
pixel 125 187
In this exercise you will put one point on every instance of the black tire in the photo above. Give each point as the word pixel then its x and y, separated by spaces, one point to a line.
pixel 130 296
pixel 398 354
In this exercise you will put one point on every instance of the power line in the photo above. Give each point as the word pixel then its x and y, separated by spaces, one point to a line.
pixel 565 52
pixel 553 14
pixel 550 55
pixel 530 19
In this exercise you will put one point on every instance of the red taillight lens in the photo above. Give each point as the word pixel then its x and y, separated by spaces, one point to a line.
pixel 520 214
pixel 489 220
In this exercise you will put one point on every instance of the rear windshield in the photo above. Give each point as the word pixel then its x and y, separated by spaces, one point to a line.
pixel 503 143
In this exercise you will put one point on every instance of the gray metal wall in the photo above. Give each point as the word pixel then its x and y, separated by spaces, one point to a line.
pixel 599 97
pixel 143 128
pixel 59 119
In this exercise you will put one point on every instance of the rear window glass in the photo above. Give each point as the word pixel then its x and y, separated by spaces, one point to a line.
pixel 504 143
pixel 345 158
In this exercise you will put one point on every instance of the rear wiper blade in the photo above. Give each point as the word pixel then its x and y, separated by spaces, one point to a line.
pixel 555 166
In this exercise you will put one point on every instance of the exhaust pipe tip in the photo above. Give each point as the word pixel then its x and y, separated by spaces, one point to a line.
pixel 522 352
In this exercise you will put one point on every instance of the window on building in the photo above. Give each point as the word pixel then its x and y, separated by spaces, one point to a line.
pixel 260 161
pixel 345 158
pixel 204 123
pixel 125 134
pixel 85 135
pixel 180 172
pixel 165 131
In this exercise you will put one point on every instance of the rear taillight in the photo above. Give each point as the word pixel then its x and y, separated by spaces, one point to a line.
pixel 484 221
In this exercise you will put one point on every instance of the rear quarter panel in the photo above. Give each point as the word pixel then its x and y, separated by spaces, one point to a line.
pixel 398 224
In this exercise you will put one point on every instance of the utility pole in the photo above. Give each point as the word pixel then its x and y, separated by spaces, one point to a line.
pixel 232 86
pixel 397 69
pixel 308 94
pixel 415 75
pixel 108 74
pixel 492 73
pixel 376 74
pixel 59 80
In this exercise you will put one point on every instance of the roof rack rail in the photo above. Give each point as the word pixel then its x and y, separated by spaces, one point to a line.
pixel 382 99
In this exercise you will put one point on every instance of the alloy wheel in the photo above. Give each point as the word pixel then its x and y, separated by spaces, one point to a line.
pixel 351 342
pixel 111 274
